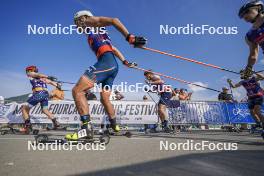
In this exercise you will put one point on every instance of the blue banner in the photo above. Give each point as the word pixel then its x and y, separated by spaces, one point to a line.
pixel 210 113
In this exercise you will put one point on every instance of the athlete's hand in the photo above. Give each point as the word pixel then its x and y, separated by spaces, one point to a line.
pixel 148 82
pixel 137 41
pixel 58 86
pixel 229 81
pixel 129 64
pixel 52 78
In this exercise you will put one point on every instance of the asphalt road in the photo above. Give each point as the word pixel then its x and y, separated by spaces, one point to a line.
pixel 139 155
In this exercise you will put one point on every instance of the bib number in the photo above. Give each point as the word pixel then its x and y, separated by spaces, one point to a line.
pixel 82 133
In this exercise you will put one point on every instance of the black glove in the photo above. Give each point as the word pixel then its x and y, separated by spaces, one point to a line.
pixel 137 41
pixel 52 78
pixel 129 64
pixel 59 86
pixel 229 80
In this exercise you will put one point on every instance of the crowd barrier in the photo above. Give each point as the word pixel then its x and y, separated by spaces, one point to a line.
pixel 136 112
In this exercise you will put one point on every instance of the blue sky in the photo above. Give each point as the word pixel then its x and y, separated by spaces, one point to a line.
pixel 67 56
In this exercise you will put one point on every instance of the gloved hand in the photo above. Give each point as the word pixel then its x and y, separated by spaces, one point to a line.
pixel 129 64
pixel 52 78
pixel 59 86
pixel 229 81
pixel 148 82
pixel 137 41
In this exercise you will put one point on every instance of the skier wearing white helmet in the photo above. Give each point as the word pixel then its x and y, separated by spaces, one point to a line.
pixel 252 12
pixel 103 71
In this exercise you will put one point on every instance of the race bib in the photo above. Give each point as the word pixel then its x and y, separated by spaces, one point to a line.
pixel 82 133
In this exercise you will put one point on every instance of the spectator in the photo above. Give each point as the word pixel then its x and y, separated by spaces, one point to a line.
pixel 2 100
pixel 90 96
pixel 176 94
pixel 145 98
pixel 184 95
pixel 57 93
pixel 244 100
pixel 225 96
pixel 118 95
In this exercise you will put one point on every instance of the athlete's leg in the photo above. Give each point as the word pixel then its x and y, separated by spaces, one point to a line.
pixel 48 113
pixel 251 106
pixel 162 112
pixel 78 93
pixel 257 110
pixel 163 116
pixel 105 94
pixel 26 117
pixel 51 117
pixel 254 115
pixel 25 112
pixel 32 101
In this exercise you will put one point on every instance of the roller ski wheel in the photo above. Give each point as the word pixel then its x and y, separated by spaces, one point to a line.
pixel 56 129
pixel 127 134
pixel 167 130
pixel 35 132
pixel 4 132
pixel 41 138
pixel 44 139
pixel 104 139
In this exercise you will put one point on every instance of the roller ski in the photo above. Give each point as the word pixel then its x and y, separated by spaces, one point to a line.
pixel 84 135
pixel 229 128
pixel 165 127
pixel 26 130
pixel 56 126
pixel 116 131
pixel 257 128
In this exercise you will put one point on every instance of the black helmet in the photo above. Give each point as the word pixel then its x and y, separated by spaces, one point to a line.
pixel 147 72
pixel 243 10
pixel 245 74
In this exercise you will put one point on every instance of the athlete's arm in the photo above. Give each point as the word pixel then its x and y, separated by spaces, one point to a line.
pixel 94 21
pixel 253 53
pixel 259 77
pixel 36 75
pixel 118 54
pixel 39 75
pixel 47 81
pixel 233 85
pixel 121 57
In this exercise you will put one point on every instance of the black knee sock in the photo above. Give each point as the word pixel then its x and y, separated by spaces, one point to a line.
pixel 85 119
pixel 27 122
pixel 112 121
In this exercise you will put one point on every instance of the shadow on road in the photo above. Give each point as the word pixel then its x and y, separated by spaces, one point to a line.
pixel 235 163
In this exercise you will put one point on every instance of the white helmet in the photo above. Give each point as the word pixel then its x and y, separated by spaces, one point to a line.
pixel 81 13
